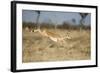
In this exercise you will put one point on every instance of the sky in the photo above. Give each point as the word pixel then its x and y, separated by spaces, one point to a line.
pixel 55 17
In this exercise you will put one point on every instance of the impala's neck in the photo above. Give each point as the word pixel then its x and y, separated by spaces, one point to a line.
pixel 43 32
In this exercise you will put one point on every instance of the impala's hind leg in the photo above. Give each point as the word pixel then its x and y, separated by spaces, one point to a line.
pixel 62 43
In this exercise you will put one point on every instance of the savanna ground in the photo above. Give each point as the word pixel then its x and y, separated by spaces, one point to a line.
pixel 37 48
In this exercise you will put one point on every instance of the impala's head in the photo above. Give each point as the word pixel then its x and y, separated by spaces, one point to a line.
pixel 36 30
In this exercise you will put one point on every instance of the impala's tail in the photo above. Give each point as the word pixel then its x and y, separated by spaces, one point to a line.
pixel 65 38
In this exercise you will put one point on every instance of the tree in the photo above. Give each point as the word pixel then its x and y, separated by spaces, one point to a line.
pixel 55 22
pixel 83 16
pixel 37 20
pixel 74 21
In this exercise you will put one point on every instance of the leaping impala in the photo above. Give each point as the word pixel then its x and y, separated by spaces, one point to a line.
pixel 51 35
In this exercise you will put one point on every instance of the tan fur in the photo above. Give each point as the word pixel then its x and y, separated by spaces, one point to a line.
pixel 51 35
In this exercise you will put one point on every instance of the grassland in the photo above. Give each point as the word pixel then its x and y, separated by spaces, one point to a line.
pixel 37 48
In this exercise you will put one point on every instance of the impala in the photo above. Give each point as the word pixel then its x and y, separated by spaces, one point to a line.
pixel 52 36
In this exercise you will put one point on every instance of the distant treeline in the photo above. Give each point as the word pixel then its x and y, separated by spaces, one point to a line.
pixel 65 25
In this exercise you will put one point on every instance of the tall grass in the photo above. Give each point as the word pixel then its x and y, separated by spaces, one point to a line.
pixel 64 25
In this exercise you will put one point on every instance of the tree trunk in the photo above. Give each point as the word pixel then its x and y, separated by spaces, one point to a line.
pixel 37 21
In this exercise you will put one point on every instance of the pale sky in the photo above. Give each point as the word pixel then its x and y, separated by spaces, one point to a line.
pixel 54 17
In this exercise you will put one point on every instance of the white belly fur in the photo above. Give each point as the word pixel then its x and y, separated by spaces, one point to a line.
pixel 53 39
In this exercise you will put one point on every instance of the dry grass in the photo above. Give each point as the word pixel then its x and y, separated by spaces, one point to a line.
pixel 37 48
